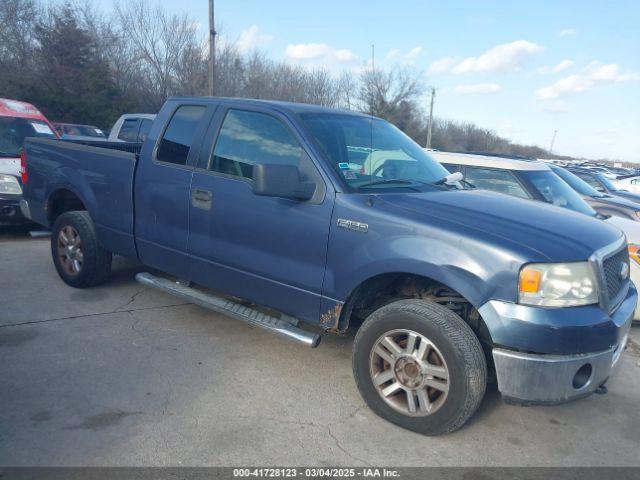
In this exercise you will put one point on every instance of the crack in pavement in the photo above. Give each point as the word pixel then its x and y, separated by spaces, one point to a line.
pixel 84 315
pixel 344 450
pixel 131 300
pixel 326 426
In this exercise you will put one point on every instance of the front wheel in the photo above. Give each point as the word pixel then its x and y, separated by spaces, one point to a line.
pixel 420 366
pixel 78 257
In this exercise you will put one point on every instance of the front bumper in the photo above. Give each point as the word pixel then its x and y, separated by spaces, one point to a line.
pixel 529 378
pixel 559 370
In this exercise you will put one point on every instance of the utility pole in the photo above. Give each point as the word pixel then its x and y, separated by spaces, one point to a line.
pixel 553 140
pixel 212 49
pixel 430 124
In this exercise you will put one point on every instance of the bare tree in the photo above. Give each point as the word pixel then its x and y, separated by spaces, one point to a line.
pixel 160 41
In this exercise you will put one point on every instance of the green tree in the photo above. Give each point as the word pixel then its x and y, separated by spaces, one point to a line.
pixel 74 82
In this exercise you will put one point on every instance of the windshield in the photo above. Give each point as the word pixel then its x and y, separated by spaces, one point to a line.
pixel 13 131
pixel 607 183
pixel 575 182
pixel 370 153
pixel 554 190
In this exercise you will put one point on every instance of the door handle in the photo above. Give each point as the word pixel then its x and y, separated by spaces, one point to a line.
pixel 201 198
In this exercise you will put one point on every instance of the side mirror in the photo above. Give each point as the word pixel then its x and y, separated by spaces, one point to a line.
pixel 281 181
pixel 600 189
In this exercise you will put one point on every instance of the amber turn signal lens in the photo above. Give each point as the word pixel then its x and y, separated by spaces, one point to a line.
pixel 634 253
pixel 529 280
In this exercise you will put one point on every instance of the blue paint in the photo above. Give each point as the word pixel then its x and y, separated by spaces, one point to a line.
pixel 290 255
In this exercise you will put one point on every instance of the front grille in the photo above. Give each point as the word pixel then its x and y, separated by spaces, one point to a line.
pixel 612 267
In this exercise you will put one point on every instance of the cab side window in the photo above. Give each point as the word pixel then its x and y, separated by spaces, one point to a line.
pixel 247 138
pixel 145 126
pixel 501 181
pixel 179 135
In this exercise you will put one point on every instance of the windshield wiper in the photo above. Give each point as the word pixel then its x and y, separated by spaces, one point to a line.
pixel 388 181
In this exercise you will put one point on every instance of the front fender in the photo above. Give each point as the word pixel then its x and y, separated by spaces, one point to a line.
pixel 465 266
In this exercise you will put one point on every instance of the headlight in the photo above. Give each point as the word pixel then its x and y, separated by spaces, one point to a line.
pixel 9 184
pixel 557 285
pixel 634 253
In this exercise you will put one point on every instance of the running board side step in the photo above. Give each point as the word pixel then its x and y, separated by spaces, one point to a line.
pixel 285 329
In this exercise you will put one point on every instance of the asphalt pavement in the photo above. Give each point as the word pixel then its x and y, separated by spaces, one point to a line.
pixel 122 375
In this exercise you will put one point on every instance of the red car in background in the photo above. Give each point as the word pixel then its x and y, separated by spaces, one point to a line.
pixel 18 120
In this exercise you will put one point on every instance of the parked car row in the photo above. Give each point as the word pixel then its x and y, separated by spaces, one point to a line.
pixel 284 215
pixel 618 178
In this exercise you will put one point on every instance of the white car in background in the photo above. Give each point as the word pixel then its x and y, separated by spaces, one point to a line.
pixel 629 184
pixel 131 127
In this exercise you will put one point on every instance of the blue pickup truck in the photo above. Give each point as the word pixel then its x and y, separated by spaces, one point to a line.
pixel 283 214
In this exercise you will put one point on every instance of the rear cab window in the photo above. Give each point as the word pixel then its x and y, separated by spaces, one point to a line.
pixel 179 135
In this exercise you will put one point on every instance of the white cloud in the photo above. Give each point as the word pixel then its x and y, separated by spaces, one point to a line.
pixel 566 32
pixel 477 89
pixel 251 38
pixel 563 65
pixel 307 51
pixel 413 53
pixel 393 54
pixel 442 65
pixel 397 55
pixel 593 75
pixel 320 55
pixel 501 58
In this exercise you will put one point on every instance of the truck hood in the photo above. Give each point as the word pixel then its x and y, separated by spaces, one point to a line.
pixel 552 232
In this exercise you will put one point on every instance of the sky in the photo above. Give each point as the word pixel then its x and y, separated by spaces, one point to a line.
pixel 521 68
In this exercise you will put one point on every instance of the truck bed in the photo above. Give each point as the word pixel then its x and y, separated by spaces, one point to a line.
pixel 100 174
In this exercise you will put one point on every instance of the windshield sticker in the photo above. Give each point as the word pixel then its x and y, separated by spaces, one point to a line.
pixel 98 131
pixel 343 166
pixel 41 128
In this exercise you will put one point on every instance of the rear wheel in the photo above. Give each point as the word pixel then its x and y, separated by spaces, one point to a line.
pixel 420 366
pixel 80 261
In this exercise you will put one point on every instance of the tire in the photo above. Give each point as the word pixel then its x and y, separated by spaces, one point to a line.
pixel 452 349
pixel 86 264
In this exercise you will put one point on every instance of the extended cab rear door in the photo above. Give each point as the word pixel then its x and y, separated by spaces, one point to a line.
pixel 162 186
pixel 269 250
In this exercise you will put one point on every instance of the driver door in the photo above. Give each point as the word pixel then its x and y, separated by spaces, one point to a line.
pixel 269 250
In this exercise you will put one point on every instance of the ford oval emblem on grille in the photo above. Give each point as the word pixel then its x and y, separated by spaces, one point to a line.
pixel 624 271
